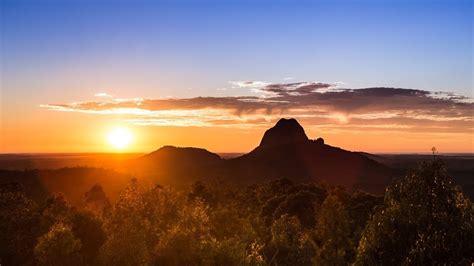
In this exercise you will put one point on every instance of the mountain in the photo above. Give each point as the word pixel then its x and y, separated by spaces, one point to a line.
pixel 175 165
pixel 286 131
pixel 186 157
pixel 285 151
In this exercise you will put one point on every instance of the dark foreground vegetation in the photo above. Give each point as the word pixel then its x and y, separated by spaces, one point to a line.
pixel 423 219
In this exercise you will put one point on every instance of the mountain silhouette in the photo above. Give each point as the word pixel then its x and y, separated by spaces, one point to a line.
pixel 186 157
pixel 286 131
pixel 285 151
pixel 176 165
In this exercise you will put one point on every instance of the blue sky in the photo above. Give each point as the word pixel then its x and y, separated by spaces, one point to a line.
pixel 164 48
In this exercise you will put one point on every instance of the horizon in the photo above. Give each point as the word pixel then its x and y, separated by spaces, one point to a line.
pixel 378 77
pixel 151 149
pixel 218 153
pixel 236 132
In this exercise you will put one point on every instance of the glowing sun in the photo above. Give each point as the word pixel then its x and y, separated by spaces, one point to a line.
pixel 119 138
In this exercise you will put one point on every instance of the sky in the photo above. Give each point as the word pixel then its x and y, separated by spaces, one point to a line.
pixel 376 76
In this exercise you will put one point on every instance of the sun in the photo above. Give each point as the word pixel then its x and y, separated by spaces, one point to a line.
pixel 119 138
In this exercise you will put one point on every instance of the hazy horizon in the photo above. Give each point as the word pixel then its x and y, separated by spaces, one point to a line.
pixel 236 132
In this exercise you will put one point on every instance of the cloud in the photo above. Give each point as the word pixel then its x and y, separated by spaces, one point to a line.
pixel 313 103
pixel 103 95
pixel 296 89
pixel 249 84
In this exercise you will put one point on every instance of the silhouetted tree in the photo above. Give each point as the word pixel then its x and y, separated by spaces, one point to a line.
pixel 300 204
pixel 360 207
pixel 96 201
pixel 88 229
pixel 201 191
pixel 19 226
pixel 54 210
pixel 185 243
pixel 127 230
pixel 425 220
pixel 333 234
pixel 58 247
pixel 84 225
pixel 290 244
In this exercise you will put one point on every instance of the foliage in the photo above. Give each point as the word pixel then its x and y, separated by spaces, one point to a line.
pixel 425 219
pixel 127 230
pixel 19 228
pixel 290 244
pixel 58 247
pixel 333 234
pixel 88 229
pixel 96 201
pixel 83 224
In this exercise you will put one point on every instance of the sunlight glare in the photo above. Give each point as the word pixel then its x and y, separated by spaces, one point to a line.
pixel 119 138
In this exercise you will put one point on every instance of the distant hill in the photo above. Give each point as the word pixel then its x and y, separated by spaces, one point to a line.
pixel 284 152
pixel 73 182
pixel 176 166
pixel 459 166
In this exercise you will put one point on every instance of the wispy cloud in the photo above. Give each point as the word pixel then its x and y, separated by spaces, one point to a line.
pixel 103 95
pixel 249 84
pixel 314 103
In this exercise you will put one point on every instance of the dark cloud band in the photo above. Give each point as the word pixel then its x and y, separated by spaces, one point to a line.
pixel 314 102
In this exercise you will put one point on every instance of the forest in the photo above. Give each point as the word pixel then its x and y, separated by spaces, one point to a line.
pixel 236 132
pixel 422 219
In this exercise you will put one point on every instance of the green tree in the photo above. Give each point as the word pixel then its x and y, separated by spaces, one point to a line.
pixel 85 225
pixel 203 192
pixel 360 207
pixel 127 230
pixel 333 234
pixel 162 208
pixel 95 201
pixel 88 229
pixel 290 244
pixel 188 241
pixel 19 228
pixel 425 220
pixel 54 210
pixel 58 247
pixel 299 204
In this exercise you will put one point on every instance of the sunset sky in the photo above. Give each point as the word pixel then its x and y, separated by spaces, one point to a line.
pixel 375 76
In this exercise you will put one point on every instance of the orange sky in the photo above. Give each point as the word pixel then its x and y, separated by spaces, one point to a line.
pixel 50 131
pixel 378 120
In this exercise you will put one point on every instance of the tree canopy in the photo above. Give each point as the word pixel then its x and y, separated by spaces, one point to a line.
pixel 423 218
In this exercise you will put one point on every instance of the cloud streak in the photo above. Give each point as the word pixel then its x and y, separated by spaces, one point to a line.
pixel 103 95
pixel 314 103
